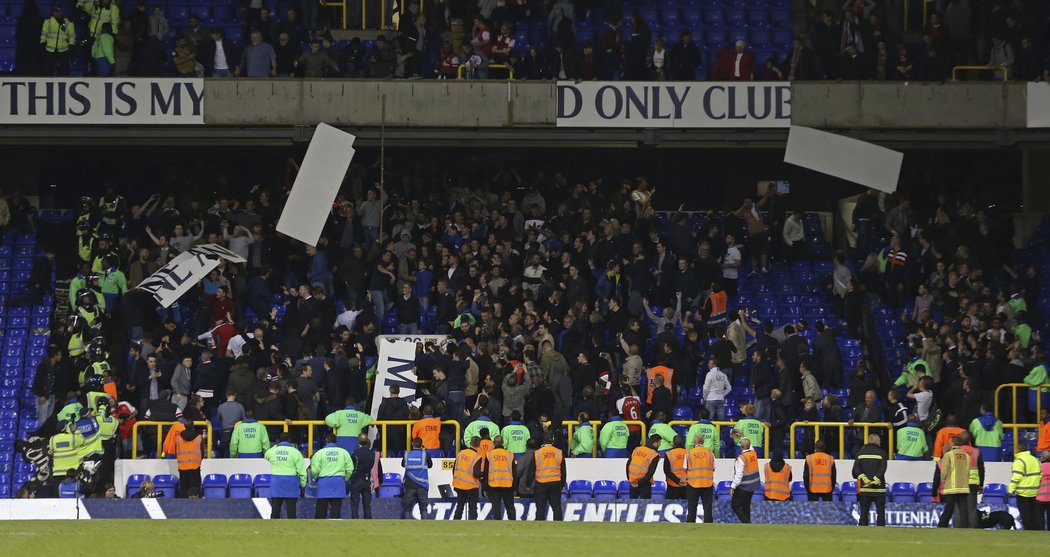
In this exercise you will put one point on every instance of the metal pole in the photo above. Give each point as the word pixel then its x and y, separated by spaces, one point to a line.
pixel 382 163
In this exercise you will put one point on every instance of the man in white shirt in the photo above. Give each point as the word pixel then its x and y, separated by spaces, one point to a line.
pixel 745 481
pixel 220 63
pixel 730 265
pixel 793 235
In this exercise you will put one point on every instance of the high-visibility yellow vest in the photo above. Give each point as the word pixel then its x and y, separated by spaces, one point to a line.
pixel 57 37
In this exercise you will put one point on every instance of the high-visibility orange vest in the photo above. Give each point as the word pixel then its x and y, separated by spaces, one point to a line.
pixel 778 484
pixel 700 466
pixel 641 459
pixel 176 430
pixel 188 453
pixel 677 459
pixel 1044 438
pixel 718 307
pixel 429 430
pixel 820 465
pixel 749 480
pixel 650 374
pixel 548 464
pixel 463 473
pixel 485 447
pixel 501 468
pixel 1043 496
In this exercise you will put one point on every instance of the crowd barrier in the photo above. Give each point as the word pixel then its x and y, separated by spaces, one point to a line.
pixel 924 515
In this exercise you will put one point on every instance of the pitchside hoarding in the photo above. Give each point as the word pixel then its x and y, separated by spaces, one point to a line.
pixel 113 101
pixel 638 104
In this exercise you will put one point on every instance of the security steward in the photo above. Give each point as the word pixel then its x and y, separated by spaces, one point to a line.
pixel 700 477
pixel 499 480
pixel 249 438
pixel 416 484
pixel 188 453
pixel 955 478
pixel 965 443
pixel 819 474
pixel 549 467
pixel 1024 482
pixel 466 479
pixel 869 469
pixel 641 468
pixel 745 481
pixel 331 467
pixel 287 476
pixel 675 468
pixel 778 478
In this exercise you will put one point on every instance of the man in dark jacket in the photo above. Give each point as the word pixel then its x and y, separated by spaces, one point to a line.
pixel 218 55
pixel 393 408
pixel 46 382
pixel 762 384
pixel 869 469
pixel 684 59
pixel 827 356
pixel 779 420
pixel 361 480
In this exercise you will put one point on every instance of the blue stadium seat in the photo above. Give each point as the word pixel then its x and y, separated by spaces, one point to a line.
pixel 849 492
pixel 994 494
pixel 902 492
pixel 580 489
pixel 166 484
pixel 240 486
pixel 262 485
pixel 69 490
pixel 659 491
pixel 213 486
pixel 603 489
pixel 390 487
pixel 722 490
pixel 798 491
pixel 924 492
pixel 624 490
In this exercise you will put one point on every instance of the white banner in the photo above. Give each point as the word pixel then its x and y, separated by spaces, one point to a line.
pixel 176 278
pixel 435 339
pixel 316 184
pixel 843 157
pixel 1038 94
pixel 396 366
pixel 122 101
pixel 637 104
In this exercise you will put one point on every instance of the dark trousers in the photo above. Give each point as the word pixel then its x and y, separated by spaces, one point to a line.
pixel 866 501
pixel 323 506
pixel 955 505
pixel 189 479
pixel 289 503
pixel 1027 507
pixel 466 498
pixel 675 492
pixel 56 63
pixel 411 497
pixel 548 494
pixel 361 491
pixel 644 490
pixel 502 497
pixel 741 505
pixel 702 495
pixel 821 496
pixel 1044 514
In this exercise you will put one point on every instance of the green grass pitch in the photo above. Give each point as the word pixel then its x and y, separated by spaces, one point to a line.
pixel 250 538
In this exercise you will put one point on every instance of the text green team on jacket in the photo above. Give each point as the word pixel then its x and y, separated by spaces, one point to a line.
pixel 474 428
pixel 249 439
pixel 582 440
pixel 709 433
pixel 753 430
pixel 614 435
pixel 348 423
pixel 666 433
pixel 515 436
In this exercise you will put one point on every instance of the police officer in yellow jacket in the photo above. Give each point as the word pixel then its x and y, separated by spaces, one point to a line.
pixel 57 37
pixel 1024 482
pixel 100 12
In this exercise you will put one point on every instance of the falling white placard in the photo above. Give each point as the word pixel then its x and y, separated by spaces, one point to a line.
pixel 844 157
pixel 310 201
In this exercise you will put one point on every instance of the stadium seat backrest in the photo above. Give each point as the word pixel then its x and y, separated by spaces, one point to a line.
pixel 580 489
pixel 902 492
pixel 261 485
pixel 624 490
pixel 659 491
pixel 848 493
pixel 924 492
pixel 166 484
pixel 604 489
pixel 213 486
pixel 240 486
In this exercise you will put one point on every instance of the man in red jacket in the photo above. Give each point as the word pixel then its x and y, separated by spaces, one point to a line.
pixel 735 64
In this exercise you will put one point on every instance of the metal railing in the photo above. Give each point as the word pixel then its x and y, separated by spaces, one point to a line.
pixel 720 425
pixel 596 424
pixel 1013 399
pixel 957 69
pixel 160 438
pixel 508 67
pixel 1016 428
pixel 841 426
pixel 341 5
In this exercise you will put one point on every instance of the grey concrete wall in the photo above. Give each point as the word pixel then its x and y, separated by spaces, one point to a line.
pixel 470 104
pixel 358 103
pixel 899 105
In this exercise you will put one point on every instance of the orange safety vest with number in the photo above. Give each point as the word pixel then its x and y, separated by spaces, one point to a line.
pixel 641 459
pixel 485 447
pixel 700 467
pixel 778 484
pixel 676 457
pixel 463 473
pixel 819 465
pixel 188 453
pixel 501 468
pixel 548 464
pixel 650 384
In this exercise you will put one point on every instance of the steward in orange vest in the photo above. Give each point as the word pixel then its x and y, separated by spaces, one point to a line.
pixel 188 451
pixel 549 475
pixel 778 479
pixel 819 474
pixel 466 474
pixel 675 468
pixel 641 467
pixel 650 380
pixel 699 477
pixel 499 478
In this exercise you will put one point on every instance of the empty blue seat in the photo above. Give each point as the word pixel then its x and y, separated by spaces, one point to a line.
pixel 69 490
pixel 390 486
pixel 722 490
pixel 580 489
pixel 603 489
pixel 849 492
pixel 166 484
pixel 902 492
pixel 240 486
pixel 262 485
pixel 624 490
pixel 924 492
pixel 213 486
pixel 994 494
pixel 659 491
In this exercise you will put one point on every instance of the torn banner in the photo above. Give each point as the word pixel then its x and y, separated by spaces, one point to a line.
pixel 176 278
pixel 316 185
pixel 844 157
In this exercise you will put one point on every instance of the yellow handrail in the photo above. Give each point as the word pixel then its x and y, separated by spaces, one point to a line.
pixel 160 438
pixel 341 4
pixel 381 424
pixel 508 67
pixel 1013 398
pixel 842 433
pixel 569 424
pixel 1016 429
pixel 1003 69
